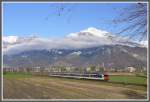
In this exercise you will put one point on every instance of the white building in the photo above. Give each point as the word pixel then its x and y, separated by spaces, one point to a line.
pixel 88 69
pixel 37 69
pixel 131 69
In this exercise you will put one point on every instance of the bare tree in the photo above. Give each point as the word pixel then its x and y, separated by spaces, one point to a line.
pixel 62 10
pixel 133 20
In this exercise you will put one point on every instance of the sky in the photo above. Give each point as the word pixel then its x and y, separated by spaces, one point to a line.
pixel 45 20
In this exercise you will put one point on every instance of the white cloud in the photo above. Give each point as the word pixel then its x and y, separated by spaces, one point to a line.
pixel 144 43
pixel 10 39
pixel 41 43
pixel 84 39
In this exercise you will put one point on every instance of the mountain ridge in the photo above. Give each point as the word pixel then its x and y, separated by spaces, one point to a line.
pixel 87 38
pixel 81 49
pixel 116 55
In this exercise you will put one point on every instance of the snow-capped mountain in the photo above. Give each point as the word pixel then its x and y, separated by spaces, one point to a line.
pixel 90 32
pixel 101 37
pixel 81 49
pixel 116 56
pixel 87 38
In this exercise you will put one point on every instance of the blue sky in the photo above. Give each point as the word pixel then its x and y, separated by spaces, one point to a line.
pixel 43 20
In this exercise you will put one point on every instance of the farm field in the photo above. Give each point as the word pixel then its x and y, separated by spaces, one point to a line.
pixel 135 79
pixel 26 86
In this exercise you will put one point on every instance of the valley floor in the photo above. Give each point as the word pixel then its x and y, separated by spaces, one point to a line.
pixel 38 87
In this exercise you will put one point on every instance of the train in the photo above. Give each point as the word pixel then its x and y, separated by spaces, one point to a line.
pixel 93 76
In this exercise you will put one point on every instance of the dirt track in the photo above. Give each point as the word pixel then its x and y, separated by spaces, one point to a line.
pixel 61 88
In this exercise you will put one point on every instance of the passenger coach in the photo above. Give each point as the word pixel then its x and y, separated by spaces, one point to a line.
pixel 94 76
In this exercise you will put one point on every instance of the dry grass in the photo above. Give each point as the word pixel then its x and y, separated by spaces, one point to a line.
pixel 62 88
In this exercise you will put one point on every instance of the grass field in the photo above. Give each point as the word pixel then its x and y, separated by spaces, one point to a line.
pixel 137 80
pixel 26 86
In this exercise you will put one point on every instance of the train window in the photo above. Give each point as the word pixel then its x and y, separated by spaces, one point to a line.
pixel 100 76
pixel 94 75
pixel 106 75
pixel 85 75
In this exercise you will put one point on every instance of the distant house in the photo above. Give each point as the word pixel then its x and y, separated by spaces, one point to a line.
pixel 8 69
pixel 68 69
pixel 47 69
pixel 88 69
pixel 144 69
pixel 131 69
pixel 36 69
pixel 112 69
pixel 120 70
